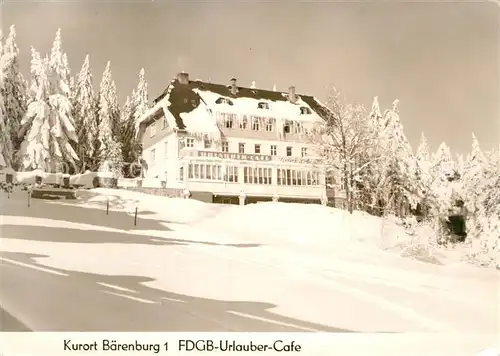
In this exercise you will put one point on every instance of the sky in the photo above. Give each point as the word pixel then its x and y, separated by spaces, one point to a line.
pixel 440 59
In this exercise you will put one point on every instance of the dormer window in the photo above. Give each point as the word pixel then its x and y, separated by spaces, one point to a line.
pixel 305 110
pixel 222 100
pixel 263 105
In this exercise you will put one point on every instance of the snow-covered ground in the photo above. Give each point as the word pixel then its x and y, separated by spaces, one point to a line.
pixel 314 263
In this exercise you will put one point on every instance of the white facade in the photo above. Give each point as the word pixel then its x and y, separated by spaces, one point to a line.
pixel 190 168
pixel 235 150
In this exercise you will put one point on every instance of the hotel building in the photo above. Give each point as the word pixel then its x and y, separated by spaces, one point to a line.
pixel 230 144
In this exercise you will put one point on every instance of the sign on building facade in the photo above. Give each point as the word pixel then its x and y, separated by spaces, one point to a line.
pixel 237 156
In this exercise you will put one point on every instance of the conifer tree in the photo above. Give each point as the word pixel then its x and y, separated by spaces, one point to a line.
pixel 14 90
pixel 84 112
pixel 110 155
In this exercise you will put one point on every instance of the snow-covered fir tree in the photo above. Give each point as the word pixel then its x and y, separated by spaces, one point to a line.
pixel 110 155
pixel 460 164
pixel 6 147
pixel 62 128
pixel 474 167
pixel 1 42
pixel 133 110
pixel 375 114
pixel 107 93
pixel 485 192
pixel 444 183
pixel 14 89
pixel 396 190
pixel 369 176
pixel 128 138
pixel 36 147
pixel 423 159
pixel 140 97
pixel 84 112
pixel 423 178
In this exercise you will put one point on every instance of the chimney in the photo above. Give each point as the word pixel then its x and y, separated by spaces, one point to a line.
pixel 291 95
pixel 234 88
pixel 183 78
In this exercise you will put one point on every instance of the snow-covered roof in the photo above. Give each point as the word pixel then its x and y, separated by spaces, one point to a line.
pixel 183 101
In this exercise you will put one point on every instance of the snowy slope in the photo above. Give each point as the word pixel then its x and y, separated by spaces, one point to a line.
pixel 296 258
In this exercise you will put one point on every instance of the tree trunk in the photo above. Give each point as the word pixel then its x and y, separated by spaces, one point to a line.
pixel 348 195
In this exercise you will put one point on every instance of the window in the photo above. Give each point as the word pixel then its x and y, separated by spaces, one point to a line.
pixel 225 119
pixel 189 142
pixel 287 128
pixel 268 178
pixel 288 177
pixel 152 129
pixel 273 150
pixel 297 177
pixel 246 175
pixel 231 174
pixel 164 123
pixel 153 155
pixel 303 152
pixel 225 146
pixel 181 174
pixel 217 172
pixel 244 123
pixel 257 148
pixel 229 121
pixel 304 110
pixel 256 123
pixel 297 128
pixel 270 125
pixel 241 148
pixel 165 150
pixel 207 143
pixel 263 105
pixel 289 151
pixel 205 171
pixel 257 175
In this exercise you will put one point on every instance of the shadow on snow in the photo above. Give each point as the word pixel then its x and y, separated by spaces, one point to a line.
pixel 80 303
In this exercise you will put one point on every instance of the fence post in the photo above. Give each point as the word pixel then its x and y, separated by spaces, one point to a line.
pixel 107 206
pixel 135 217
pixel 29 198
